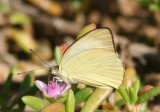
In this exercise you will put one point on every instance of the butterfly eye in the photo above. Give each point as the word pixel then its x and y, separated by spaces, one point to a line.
pixel 53 71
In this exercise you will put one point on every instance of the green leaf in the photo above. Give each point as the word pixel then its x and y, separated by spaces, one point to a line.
pixel 124 93
pixel 120 102
pixel 133 96
pixel 70 102
pixel 148 94
pixel 27 82
pixel 25 92
pixel 107 110
pixel 57 54
pixel 142 83
pixel 135 86
pixel 74 87
pixel 86 29
pixel 34 102
pixel 21 106
pixel 7 85
pixel 82 95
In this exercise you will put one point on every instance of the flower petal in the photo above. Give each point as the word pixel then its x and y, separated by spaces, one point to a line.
pixel 57 88
pixel 50 89
pixel 57 91
pixel 64 87
pixel 42 86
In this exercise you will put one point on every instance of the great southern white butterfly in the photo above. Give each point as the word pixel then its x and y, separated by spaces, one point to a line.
pixel 92 60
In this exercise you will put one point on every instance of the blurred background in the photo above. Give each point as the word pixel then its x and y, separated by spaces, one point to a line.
pixel 43 24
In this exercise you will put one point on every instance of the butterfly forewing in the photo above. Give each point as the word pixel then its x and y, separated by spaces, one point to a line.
pixel 92 60
pixel 98 38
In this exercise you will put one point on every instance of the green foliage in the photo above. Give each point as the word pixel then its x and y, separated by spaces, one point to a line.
pixel 91 98
pixel 5 103
pixel 82 95
pixel 135 86
pixel 120 102
pixel 57 55
pixel 27 83
pixel 124 93
pixel 70 102
pixel 34 102
pixel 148 94
pixel 131 97
pixel 21 94
pixel 7 85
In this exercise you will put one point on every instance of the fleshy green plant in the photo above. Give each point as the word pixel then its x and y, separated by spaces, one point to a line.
pixel 59 97
pixel 93 97
pixel 27 87
pixel 131 98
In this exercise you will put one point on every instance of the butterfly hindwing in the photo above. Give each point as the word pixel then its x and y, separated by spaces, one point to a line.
pixel 97 67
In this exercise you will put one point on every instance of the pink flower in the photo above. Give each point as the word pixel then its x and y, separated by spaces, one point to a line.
pixel 54 89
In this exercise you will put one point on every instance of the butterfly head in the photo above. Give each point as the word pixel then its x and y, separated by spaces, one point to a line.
pixel 54 70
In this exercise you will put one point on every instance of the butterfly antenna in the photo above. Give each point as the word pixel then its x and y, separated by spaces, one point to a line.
pixel 39 57
pixel 29 71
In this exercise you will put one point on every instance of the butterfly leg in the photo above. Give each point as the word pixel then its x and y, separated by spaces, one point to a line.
pixel 69 83
pixel 56 79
